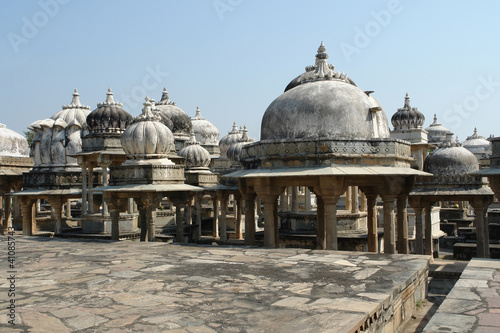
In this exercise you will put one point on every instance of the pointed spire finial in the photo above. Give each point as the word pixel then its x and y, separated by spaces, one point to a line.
pixel 198 111
pixel 109 96
pixel 76 98
pixel 407 102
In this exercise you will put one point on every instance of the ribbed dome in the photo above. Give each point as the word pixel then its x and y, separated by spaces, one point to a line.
pixel 437 133
pixel 75 110
pixel 324 104
pixel 451 161
pixel 196 156
pixel 234 151
pixel 228 140
pixel 12 143
pixel 181 122
pixel 477 144
pixel 407 117
pixel 147 137
pixel 206 132
pixel 109 117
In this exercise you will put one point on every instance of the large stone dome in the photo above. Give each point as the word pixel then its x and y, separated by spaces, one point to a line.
pixel 12 143
pixel 109 117
pixel 451 161
pixel 407 117
pixel 323 103
pixel 181 122
pixel 147 137
pixel 206 133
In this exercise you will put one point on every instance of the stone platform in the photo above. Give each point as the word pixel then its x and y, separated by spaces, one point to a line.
pixel 65 285
pixel 473 305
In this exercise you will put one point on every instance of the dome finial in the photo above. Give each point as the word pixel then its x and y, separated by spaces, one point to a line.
pixel 435 120
pixel 407 102
pixel 76 98
pixel 244 136
pixel 165 100
pixel 198 113
pixel 146 110
pixel 109 96
pixel 235 128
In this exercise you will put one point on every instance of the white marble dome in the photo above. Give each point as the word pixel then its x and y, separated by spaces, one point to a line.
pixel 323 103
pixel 12 143
pixel 451 161
pixel 477 145
pixel 196 156
pixel 437 133
pixel 181 122
pixel 206 133
pixel 228 140
pixel 75 110
pixel 147 137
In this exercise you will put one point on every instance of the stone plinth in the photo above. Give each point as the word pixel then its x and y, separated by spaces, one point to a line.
pixel 146 174
pixel 99 224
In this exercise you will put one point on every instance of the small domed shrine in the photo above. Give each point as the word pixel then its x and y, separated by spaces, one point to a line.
pixel 234 151
pixel 326 134
pixel 438 134
pixel 478 145
pixel 181 122
pixel 407 123
pixel 100 148
pixel 147 175
pixel 14 161
pixel 206 133
pixel 232 137
pixel 453 168
pixel 56 176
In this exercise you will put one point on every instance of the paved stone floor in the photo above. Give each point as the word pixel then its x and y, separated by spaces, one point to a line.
pixel 64 285
pixel 473 305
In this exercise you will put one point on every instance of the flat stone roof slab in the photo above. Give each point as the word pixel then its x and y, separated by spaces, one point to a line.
pixel 65 285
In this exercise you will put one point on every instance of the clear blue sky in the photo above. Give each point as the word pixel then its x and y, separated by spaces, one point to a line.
pixel 233 57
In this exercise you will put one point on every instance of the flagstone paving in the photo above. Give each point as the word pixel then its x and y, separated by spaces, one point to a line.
pixel 473 305
pixel 64 285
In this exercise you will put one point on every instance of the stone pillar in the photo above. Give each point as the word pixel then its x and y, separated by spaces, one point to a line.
pixel 250 219
pixel 104 168
pixel 419 231
pixel 56 203
pixel 223 216
pixel 330 204
pixel 308 199
pixel 179 221
pixel 389 224
pixel 348 197
pixel 402 221
pixel 8 212
pixel 116 205
pixel 115 224
pixel 27 212
pixel 480 206
pixel 68 209
pixel 269 220
pixel 130 207
pixel 295 196
pixel 189 217
pixel 90 208
pixel 238 218
pixel 355 200
pixel 197 201
pixel 372 223
pixel 216 216
pixel 363 202
pixel 143 222
pixel 17 208
pixel 84 189
pixel 2 225
pixel 321 225
pixel 283 202
pixel 428 230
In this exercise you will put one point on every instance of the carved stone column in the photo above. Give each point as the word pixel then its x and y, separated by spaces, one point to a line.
pixel 238 228
pixel 295 197
pixel 115 205
pixel 355 200
pixel 223 214
pixel 7 212
pixel 56 203
pixel 308 199
pixel 90 208
pixel 480 206
pixel 269 193
pixel 84 185
pixel 389 224
pixel 197 201
pixel 402 222
pixel 372 223
pixel 29 225
pixel 428 229
pixel 321 225
pixel 215 202
pixel 147 205
pixel 249 218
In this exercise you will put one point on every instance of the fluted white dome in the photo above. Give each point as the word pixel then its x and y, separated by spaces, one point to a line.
pixel 234 151
pixel 12 143
pixel 75 110
pixel 196 156
pixel 206 132
pixel 147 137
pixel 181 122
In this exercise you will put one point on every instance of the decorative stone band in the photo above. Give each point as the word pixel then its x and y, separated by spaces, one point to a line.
pixel 52 180
pixel 282 153
pixel 452 180
pixel 146 174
